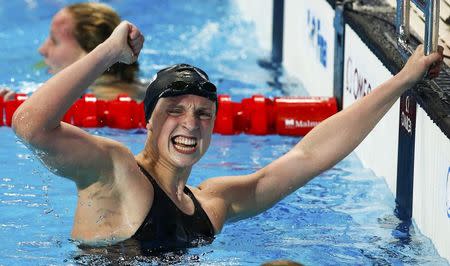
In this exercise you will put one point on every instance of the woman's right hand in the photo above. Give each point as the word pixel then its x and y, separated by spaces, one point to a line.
pixel 128 41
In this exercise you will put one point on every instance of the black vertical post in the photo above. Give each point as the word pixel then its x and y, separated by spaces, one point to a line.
pixel 405 162
pixel 339 48
pixel 277 31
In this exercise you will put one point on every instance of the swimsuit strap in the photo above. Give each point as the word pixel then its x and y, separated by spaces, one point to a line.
pixel 198 209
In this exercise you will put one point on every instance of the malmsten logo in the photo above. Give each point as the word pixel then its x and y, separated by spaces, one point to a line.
pixel 292 123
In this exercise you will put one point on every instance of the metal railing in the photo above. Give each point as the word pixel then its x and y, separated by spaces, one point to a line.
pixel 430 8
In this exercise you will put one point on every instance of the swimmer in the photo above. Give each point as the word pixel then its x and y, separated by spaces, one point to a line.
pixel 282 263
pixel 145 197
pixel 76 30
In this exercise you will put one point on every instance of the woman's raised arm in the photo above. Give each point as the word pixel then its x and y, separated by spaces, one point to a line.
pixel 66 149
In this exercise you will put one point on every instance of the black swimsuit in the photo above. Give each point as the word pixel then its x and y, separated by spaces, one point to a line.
pixel 167 227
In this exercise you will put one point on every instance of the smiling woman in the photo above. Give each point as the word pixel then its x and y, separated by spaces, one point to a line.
pixel 342 217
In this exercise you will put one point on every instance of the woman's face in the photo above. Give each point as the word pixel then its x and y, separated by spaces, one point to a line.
pixel 61 49
pixel 181 128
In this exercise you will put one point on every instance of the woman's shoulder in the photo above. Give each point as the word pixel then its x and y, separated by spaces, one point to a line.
pixel 108 88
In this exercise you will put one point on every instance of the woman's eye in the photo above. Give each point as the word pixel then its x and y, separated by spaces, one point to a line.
pixel 53 40
pixel 205 116
pixel 175 111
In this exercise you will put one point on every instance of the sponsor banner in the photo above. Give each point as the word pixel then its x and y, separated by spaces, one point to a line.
pixel 406 145
pixel 408 113
pixel 308 46
pixel 363 71
pixel 292 123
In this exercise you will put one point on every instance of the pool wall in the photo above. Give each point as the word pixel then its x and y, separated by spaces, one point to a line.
pixel 412 152
pixel 431 201
pixel 309 37
pixel 362 73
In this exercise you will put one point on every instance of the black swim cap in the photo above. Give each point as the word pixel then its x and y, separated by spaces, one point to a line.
pixel 180 79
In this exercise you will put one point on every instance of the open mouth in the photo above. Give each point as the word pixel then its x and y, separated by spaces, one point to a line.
pixel 183 144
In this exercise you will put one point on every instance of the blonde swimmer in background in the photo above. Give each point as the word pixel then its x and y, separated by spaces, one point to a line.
pixel 145 197
pixel 76 30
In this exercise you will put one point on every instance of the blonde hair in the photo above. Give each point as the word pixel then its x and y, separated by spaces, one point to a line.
pixel 282 263
pixel 93 24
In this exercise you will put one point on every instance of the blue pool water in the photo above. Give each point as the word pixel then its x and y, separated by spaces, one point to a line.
pixel 343 217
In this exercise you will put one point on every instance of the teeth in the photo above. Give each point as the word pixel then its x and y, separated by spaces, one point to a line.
pixel 184 148
pixel 185 141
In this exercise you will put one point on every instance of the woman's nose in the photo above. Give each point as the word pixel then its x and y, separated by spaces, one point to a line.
pixel 190 122
pixel 43 48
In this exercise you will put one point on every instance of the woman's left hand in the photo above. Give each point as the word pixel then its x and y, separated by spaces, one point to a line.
pixel 419 65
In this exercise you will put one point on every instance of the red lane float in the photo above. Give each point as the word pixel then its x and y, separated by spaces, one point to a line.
pixel 122 112
pixel 298 115
pixel 11 107
pixel 1 111
pixel 257 115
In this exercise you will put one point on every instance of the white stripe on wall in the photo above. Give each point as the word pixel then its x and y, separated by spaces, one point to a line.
pixel 431 192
